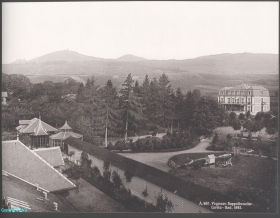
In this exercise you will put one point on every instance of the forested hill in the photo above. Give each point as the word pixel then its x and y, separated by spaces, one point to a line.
pixel 207 73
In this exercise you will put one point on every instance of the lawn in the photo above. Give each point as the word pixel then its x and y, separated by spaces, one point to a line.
pixel 247 172
pixel 250 177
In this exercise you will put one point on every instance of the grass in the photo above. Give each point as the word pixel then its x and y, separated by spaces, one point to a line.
pixel 247 172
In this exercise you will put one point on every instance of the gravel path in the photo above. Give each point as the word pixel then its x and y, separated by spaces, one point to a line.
pixel 159 160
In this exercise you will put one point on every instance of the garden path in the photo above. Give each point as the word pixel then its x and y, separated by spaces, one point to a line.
pixel 159 159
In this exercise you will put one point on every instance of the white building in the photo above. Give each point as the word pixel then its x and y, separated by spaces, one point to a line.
pixel 243 98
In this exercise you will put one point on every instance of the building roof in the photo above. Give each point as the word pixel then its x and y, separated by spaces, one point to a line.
pixel 225 88
pixel 65 135
pixel 34 123
pixel 39 130
pixel 52 155
pixel 256 90
pixel 148 173
pixel 65 126
pixel 20 161
pixel 26 194
pixel 241 86
pixel 24 122
pixel 210 156
pixel 4 94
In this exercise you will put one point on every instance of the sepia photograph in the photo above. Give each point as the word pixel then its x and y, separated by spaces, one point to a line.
pixel 140 107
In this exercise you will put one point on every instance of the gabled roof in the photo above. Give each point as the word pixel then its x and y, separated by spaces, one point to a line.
pixel 210 156
pixel 65 135
pixel 39 130
pixel 14 188
pixel 65 126
pixel 52 155
pixel 34 123
pixel 4 94
pixel 19 161
pixel 24 122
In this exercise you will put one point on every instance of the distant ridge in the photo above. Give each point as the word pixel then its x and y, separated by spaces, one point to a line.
pixel 130 58
pixel 64 55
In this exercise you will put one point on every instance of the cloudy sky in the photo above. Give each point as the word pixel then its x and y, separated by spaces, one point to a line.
pixel 153 30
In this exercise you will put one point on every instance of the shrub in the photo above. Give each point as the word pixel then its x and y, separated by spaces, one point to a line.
pixel 121 145
pixel 215 139
pixel 196 165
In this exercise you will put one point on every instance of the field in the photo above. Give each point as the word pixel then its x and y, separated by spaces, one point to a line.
pixel 250 176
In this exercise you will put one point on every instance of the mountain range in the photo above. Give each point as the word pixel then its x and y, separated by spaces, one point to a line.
pixel 208 73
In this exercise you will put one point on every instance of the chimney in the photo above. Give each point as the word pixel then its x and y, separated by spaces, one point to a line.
pixel 17 136
pixel 37 186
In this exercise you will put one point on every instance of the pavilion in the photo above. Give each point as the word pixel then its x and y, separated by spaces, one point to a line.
pixel 64 133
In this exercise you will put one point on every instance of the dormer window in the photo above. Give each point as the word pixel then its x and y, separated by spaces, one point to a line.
pixel 249 93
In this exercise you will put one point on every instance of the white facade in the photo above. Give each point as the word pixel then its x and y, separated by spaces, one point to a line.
pixel 243 98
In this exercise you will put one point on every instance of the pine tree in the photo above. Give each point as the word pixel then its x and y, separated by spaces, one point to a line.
pixel 92 108
pixel 129 105
pixel 110 113
pixel 203 121
pixel 179 107
pixel 165 101
pixel 191 101
pixel 153 110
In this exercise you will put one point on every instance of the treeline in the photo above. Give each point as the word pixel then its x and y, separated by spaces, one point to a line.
pixel 111 183
pixel 95 111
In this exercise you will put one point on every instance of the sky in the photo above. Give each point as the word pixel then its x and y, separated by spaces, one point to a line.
pixel 152 30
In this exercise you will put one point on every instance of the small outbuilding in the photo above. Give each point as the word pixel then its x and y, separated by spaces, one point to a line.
pixel 64 133
pixel 210 159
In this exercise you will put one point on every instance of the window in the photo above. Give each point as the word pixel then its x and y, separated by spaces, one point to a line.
pixel 238 92
pixel 222 100
pixel 242 100
pixel 41 141
pixel 233 92
pixel 237 100
pixel 249 93
pixel 228 100
pixel 229 92
pixel 249 100
pixel 242 92
pixel 233 100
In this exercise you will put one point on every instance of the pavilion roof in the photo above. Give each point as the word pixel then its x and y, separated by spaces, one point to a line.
pixel 65 126
pixel 39 130
pixel 30 128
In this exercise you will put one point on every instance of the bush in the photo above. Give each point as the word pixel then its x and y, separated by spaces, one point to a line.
pixel 120 145
pixel 215 139
pixel 196 165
